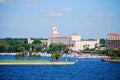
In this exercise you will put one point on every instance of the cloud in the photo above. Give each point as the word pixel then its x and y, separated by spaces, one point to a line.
pixel 55 14
pixel 7 24
pixel 12 1
pixel 104 15
pixel 6 1
pixel 30 1
pixel 60 13
pixel 66 10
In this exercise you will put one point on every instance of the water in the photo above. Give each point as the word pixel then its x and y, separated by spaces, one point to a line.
pixel 85 69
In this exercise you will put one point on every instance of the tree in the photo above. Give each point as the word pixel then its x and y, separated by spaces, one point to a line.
pixel 12 45
pixel 55 56
pixel 113 53
pixel 36 55
pixel 4 46
pixel 54 47
pixel 30 54
pixel 20 45
pixel 86 47
pixel 19 55
pixel 36 42
pixel 21 49
pixel 37 46
pixel 96 45
pixel 102 42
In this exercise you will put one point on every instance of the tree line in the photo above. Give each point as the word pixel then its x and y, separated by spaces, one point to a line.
pixel 113 53
pixel 13 45
pixel 19 45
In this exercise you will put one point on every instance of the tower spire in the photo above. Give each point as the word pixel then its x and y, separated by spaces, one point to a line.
pixel 54 31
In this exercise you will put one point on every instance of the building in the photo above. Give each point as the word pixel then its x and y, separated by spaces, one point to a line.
pixel 113 40
pixel 73 40
pixel 57 38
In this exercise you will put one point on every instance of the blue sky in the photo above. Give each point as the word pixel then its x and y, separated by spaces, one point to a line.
pixel 34 18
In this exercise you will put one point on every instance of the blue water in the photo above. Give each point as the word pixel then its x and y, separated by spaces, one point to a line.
pixel 85 69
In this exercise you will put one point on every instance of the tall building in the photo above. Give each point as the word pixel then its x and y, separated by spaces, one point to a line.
pixel 113 40
pixel 57 38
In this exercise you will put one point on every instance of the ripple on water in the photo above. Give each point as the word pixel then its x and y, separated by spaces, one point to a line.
pixel 85 69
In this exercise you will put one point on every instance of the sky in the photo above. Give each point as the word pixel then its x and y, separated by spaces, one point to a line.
pixel 90 19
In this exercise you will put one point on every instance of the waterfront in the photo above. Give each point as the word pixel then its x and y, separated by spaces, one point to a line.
pixel 85 69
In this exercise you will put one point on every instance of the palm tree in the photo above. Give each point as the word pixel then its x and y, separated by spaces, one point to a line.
pixel 55 56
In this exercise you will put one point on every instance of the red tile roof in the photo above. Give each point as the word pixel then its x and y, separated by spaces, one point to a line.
pixel 56 35
pixel 113 34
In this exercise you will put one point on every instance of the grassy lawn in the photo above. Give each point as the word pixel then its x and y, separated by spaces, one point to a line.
pixel 23 61
pixel 34 62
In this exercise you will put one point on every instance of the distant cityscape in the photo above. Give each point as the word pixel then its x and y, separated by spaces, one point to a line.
pixel 76 43
pixel 59 39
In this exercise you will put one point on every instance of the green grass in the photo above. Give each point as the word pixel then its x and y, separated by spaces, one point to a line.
pixel 23 61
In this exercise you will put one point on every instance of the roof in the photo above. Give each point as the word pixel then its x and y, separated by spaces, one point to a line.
pixel 74 34
pixel 113 34
pixel 55 35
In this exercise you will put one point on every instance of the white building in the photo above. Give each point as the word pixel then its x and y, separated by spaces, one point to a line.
pixel 73 40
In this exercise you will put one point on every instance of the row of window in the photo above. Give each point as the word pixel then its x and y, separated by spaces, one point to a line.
pixel 113 46
pixel 113 38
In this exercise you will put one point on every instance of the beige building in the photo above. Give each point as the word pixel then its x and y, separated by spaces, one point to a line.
pixel 73 40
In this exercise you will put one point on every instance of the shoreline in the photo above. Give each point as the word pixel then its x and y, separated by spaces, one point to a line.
pixel 111 60
pixel 68 56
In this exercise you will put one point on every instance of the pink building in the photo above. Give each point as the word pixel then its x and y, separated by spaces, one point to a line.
pixel 73 40
pixel 113 40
